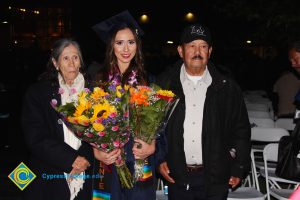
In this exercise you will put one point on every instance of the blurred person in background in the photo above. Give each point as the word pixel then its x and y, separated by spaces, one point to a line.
pixel 288 84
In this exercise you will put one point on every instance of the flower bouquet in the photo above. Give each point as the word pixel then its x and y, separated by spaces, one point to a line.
pixel 149 106
pixel 100 117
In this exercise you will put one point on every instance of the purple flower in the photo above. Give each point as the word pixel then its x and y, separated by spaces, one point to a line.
pixel 61 91
pixel 112 87
pixel 113 121
pixel 132 80
pixel 53 102
pixel 87 90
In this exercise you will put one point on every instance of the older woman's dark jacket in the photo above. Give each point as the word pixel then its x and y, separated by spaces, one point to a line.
pixel 49 154
pixel 225 126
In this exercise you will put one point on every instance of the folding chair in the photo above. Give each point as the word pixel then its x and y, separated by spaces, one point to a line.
pixel 245 193
pixel 258 106
pixel 262 122
pixel 286 123
pixel 270 154
pixel 265 135
pixel 259 114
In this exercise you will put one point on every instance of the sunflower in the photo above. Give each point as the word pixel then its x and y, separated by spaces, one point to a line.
pixel 102 110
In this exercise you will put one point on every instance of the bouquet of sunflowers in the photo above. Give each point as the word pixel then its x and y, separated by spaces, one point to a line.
pixel 100 117
pixel 149 111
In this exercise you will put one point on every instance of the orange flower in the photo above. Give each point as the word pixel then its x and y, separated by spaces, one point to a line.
pixel 139 97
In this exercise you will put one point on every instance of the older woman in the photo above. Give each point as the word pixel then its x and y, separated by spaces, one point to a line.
pixel 55 151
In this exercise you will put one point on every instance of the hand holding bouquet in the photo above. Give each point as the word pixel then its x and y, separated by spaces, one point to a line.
pixel 100 117
pixel 149 106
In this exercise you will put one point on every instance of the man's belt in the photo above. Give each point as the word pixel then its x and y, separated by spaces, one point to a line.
pixel 194 168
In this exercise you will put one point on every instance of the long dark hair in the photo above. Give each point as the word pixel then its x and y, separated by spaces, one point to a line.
pixel 137 63
pixel 58 46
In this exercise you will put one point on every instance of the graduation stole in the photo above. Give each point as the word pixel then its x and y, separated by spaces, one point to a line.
pixel 102 190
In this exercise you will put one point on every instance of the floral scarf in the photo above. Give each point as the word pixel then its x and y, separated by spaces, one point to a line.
pixel 115 77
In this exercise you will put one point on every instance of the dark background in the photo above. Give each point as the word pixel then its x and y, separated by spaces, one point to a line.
pixel 269 24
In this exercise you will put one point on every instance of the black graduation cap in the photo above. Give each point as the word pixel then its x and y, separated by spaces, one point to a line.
pixel 106 28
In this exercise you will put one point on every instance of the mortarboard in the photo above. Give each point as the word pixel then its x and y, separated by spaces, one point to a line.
pixel 106 28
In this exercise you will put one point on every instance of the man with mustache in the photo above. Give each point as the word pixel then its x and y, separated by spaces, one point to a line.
pixel 206 146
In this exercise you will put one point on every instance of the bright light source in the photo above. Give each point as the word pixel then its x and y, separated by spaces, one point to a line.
pixel 144 18
pixel 16 42
pixel 189 16
pixel 170 42
pixel 248 41
pixel 4 22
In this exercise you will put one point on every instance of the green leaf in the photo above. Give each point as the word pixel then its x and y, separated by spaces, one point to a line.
pixel 69 109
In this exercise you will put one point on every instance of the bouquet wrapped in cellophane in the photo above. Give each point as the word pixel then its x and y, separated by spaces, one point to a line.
pixel 149 112
pixel 100 117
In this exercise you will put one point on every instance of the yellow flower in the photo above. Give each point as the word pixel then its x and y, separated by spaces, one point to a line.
pixel 105 109
pixel 166 93
pixel 79 110
pixel 98 93
pixel 82 120
pixel 83 104
pixel 98 127
pixel 126 87
pixel 82 96
pixel 118 93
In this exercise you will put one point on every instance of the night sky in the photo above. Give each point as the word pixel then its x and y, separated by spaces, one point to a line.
pixel 269 24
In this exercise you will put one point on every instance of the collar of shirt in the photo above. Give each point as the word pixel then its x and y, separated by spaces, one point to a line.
pixel 205 78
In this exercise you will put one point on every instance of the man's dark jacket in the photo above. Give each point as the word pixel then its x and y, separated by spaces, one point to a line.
pixel 225 126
